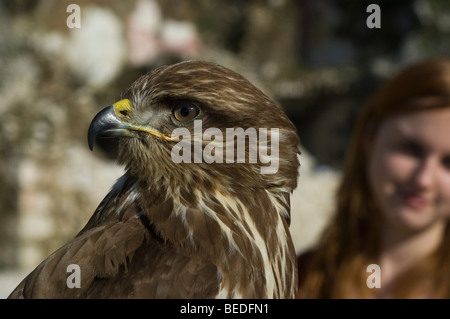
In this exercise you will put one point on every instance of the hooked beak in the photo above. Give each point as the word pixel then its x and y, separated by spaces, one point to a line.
pixel 107 124
pixel 111 122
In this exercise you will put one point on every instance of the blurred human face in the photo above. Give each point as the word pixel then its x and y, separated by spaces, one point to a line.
pixel 409 169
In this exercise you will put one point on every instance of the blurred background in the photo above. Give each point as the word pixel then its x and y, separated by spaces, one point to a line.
pixel 317 58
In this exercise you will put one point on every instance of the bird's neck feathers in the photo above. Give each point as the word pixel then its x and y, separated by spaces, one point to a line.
pixel 244 233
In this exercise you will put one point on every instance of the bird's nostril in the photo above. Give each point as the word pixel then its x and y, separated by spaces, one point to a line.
pixel 123 107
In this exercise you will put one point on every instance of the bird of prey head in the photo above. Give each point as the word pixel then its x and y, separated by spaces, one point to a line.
pixel 187 219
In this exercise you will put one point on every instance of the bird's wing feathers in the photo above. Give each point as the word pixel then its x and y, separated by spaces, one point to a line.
pixel 158 271
pixel 120 256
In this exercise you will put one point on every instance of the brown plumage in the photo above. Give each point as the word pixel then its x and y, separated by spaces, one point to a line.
pixel 184 230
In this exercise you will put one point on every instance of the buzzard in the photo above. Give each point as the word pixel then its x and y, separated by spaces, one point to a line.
pixel 186 220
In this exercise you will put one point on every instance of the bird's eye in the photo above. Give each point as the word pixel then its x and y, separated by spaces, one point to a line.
pixel 185 111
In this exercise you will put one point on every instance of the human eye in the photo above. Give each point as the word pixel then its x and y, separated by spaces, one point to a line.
pixel 446 162
pixel 410 148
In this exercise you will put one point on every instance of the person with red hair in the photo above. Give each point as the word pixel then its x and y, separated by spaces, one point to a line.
pixel 389 236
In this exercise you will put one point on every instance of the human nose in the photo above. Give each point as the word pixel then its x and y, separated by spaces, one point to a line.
pixel 425 174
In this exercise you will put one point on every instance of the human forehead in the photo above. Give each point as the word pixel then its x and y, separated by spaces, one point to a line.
pixel 430 127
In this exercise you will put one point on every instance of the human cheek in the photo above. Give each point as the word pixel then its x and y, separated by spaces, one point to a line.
pixel 381 171
pixel 398 167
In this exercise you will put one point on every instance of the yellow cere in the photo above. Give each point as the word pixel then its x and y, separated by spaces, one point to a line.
pixel 123 107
